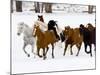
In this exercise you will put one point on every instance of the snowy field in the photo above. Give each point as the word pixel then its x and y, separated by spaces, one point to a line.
pixel 23 64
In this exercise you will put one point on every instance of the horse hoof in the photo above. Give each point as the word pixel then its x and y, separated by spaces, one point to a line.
pixel 91 55
pixel 76 55
pixel 53 57
pixel 44 58
pixel 28 55
pixel 40 56
pixel 71 53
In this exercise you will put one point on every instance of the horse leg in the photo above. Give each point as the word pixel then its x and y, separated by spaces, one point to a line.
pixel 66 45
pixel 38 50
pixel 47 49
pixel 78 46
pixel 94 47
pixel 33 50
pixel 85 47
pixel 90 50
pixel 71 52
pixel 24 49
pixel 52 50
pixel 44 54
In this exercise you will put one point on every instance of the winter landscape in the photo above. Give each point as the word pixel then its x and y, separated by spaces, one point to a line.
pixel 64 14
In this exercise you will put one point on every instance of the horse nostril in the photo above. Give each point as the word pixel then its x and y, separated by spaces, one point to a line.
pixel 18 33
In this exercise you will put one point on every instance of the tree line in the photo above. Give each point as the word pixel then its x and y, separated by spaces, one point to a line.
pixel 40 7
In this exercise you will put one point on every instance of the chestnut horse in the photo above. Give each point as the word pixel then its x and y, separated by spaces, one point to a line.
pixel 43 40
pixel 72 37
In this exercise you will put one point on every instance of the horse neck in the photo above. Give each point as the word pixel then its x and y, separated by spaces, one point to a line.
pixel 42 20
pixel 70 33
pixel 40 34
pixel 27 32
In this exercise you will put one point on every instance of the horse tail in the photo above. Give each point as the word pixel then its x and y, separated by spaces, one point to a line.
pixel 62 37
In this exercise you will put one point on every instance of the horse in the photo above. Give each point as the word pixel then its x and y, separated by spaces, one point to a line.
pixel 88 37
pixel 43 40
pixel 27 36
pixel 72 37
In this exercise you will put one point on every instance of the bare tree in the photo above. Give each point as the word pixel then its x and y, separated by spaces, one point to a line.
pixel 11 7
pixel 90 9
pixel 48 7
pixel 19 6
pixel 37 7
pixel 42 6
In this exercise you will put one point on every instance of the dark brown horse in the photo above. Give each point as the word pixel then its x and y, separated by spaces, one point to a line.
pixel 89 36
pixel 72 37
pixel 92 30
pixel 43 40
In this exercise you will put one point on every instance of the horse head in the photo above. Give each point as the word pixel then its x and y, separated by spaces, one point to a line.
pixel 21 27
pixel 81 28
pixel 35 30
pixel 52 23
pixel 90 27
pixel 40 18
pixel 67 32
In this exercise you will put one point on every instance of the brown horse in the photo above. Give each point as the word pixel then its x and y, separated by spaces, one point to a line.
pixel 43 40
pixel 72 37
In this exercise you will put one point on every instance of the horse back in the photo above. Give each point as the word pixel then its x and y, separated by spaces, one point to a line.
pixel 50 36
pixel 77 36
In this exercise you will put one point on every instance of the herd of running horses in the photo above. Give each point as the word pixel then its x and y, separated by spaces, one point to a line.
pixel 70 36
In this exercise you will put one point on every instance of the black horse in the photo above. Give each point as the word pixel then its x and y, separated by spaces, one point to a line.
pixel 88 38
pixel 51 26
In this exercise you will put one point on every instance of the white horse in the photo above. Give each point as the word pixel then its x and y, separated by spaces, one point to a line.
pixel 27 36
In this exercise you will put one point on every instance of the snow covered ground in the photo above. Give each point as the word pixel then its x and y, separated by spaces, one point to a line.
pixel 22 64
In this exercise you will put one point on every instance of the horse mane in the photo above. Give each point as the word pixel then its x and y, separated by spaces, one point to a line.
pixel 41 33
pixel 39 23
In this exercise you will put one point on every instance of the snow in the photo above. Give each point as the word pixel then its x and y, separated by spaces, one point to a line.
pixel 23 64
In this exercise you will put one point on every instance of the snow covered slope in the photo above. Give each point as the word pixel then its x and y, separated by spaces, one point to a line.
pixel 22 64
